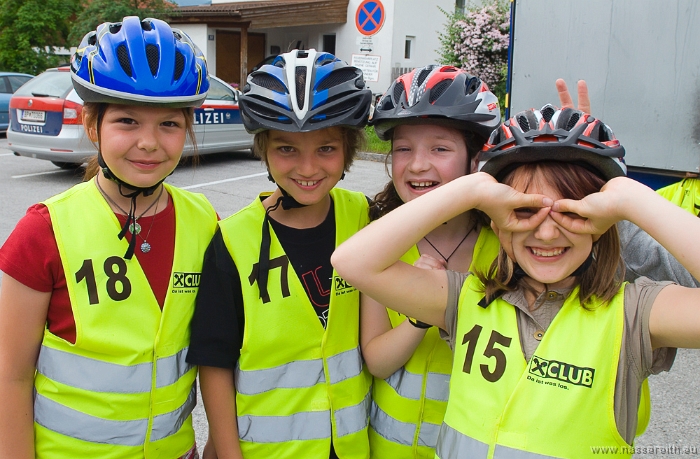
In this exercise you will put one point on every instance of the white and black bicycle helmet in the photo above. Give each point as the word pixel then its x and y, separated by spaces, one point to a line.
pixel 439 94
pixel 551 134
pixel 304 90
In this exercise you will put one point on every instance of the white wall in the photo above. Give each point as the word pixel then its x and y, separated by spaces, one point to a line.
pixel 199 33
pixel 418 18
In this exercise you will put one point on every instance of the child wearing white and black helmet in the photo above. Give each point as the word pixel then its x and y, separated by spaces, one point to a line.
pixel 551 346
pixel 275 331
pixel 93 332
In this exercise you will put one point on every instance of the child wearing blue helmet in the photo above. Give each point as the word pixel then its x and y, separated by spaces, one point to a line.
pixel 271 311
pixel 93 329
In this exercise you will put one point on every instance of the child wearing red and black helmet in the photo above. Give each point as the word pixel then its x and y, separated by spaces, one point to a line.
pixel 551 346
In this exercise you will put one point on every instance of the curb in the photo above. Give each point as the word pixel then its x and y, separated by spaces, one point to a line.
pixel 367 156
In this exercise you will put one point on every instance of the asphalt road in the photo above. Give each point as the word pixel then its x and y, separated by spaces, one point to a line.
pixel 231 181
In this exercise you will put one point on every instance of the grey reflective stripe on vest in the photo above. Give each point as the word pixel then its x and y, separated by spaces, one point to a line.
pixel 170 369
pixel 72 423
pixel 353 418
pixel 345 365
pixel 307 425
pixel 401 432
pixel 503 452
pixel 428 435
pixel 93 375
pixel 99 376
pixel 454 445
pixel 168 424
pixel 410 385
pixel 292 375
pixel 391 429
pixel 298 374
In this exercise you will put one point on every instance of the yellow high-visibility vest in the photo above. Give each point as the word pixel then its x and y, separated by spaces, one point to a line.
pixel 560 404
pixel 123 390
pixel 408 407
pixel 297 385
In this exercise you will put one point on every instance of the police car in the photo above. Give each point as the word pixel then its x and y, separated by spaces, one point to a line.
pixel 45 121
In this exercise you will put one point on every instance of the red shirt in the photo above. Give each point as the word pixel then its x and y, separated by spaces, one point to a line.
pixel 30 255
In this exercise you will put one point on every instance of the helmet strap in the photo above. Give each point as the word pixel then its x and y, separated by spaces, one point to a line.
pixel 131 192
pixel 287 202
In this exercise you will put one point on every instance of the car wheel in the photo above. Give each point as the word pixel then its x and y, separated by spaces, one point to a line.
pixel 67 166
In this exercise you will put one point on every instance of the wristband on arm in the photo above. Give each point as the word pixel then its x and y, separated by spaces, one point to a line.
pixel 417 323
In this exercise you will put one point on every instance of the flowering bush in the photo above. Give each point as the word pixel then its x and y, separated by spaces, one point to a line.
pixel 477 41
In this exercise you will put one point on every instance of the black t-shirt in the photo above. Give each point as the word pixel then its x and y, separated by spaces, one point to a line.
pixel 219 319
pixel 309 251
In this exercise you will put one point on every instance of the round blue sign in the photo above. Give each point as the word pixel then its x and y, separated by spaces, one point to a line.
pixel 370 17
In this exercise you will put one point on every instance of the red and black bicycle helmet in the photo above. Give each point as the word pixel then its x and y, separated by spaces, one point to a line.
pixel 441 93
pixel 551 134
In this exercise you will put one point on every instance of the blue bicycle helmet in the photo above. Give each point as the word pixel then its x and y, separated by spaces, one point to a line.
pixel 140 62
pixel 303 91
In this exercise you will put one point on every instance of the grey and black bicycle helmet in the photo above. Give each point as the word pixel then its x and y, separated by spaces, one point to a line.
pixel 303 91
pixel 551 134
pixel 441 94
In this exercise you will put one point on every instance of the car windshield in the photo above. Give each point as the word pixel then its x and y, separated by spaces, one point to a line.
pixel 48 84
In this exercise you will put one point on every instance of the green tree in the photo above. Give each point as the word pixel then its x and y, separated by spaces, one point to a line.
pixel 95 12
pixel 30 30
pixel 477 41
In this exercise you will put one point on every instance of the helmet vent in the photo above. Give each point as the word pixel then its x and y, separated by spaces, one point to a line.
pixel 153 56
pixel 115 27
pixel 399 89
pixel 425 71
pixel 439 89
pixel 340 109
pixel 146 25
pixel 263 112
pixel 92 39
pixel 547 112
pixel 269 82
pixel 325 59
pixel 472 85
pixel 572 121
pixel 301 85
pixel 337 78
pixel 179 65
pixel 523 122
pixel 124 61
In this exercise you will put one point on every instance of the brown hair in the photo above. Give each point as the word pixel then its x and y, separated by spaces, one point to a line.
pixel 603 277
pixel 388 199
pixel 353 140
pixel 93 114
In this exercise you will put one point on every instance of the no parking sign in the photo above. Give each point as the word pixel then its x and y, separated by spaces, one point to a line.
pixel 369 17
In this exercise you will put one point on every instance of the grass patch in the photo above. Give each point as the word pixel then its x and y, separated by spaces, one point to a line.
pixel 374 145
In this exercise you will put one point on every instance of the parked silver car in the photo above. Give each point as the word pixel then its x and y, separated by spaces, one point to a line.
pixel 9 83
pixel 45 121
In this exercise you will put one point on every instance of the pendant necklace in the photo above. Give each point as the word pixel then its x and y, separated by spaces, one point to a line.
pixel 135 228
pixel 447 258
